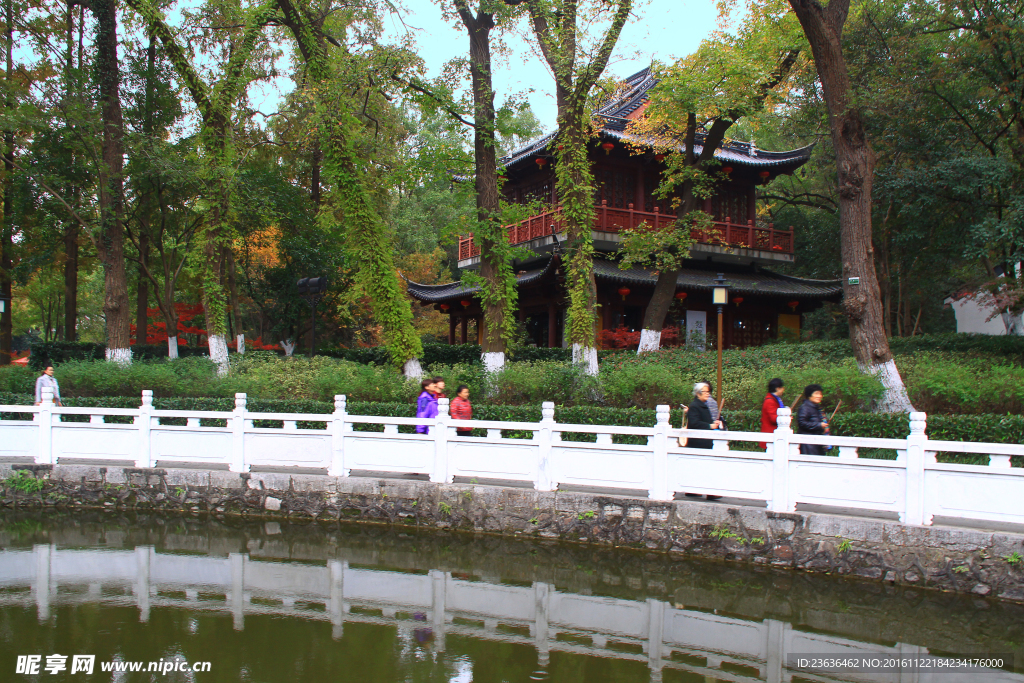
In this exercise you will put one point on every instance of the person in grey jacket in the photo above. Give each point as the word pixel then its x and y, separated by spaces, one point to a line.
pixel 47 380
pixel 810 419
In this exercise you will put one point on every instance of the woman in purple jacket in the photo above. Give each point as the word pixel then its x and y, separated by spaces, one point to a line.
pixel 426 404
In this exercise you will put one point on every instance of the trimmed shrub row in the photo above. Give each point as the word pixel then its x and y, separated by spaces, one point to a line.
pixel 57 352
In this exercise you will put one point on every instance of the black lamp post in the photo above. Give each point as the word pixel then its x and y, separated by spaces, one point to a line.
pixel 312 289
pixel 720 297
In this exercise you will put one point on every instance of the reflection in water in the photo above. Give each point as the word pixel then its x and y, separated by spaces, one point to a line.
pixel 370 605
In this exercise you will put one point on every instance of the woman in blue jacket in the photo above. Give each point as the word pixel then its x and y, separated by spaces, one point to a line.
pixel 426 404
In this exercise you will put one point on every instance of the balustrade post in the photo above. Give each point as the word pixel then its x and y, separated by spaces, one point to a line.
pixel 657 215
pixel 440 473
pixel 337 601
pixel 544 438
pixel 780 448
pixel 604 215
pixel 237 422
pixel 659 457
pixel 632 218
pixel 438 606
pixel 143 558
pixel 750 235
pixel 144 423
pixel 917 443
pixel 44 456
pixel 44 573
pixel 339 429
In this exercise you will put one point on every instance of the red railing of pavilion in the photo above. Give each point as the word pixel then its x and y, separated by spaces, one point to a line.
pixel 609 219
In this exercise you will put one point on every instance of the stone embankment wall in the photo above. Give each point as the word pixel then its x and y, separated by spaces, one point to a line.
pixel 983 563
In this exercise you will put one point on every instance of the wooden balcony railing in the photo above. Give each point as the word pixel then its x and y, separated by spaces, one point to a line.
pixel 609 219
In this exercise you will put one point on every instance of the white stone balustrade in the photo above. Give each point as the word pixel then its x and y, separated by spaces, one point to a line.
pixel 914 486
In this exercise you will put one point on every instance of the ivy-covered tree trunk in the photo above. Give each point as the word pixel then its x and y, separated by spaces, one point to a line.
pixel 555 25
pixel 855 162
pixel 575 182
pixel 215 104
pixel 367 233
pixel 111 185
pixel 499 293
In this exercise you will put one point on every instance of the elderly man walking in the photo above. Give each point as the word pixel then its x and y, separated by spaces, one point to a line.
pixel 47 380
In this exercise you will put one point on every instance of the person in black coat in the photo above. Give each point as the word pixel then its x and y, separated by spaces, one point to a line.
pixel 810 419
pixel 699 416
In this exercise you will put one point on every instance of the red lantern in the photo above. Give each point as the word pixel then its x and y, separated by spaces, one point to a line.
pixel 727 170
pixel 738 300
pixel 793 305
pixel 465 304
pixel 764 175
pixel 444 307
pixel 541 161
pixel 607 147
pixel 659 157
pixel 623 292
pixel 561 147
pixel 681 295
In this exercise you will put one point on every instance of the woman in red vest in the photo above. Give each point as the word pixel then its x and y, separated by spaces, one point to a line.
pixel 771 405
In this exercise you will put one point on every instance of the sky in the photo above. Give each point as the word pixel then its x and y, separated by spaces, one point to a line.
pixel 662 29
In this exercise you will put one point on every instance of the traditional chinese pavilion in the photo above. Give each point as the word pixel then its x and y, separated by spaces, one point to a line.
pixel 763 304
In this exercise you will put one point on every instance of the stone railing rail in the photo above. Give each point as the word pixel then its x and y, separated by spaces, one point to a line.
pixel 750 650
pixel 915 485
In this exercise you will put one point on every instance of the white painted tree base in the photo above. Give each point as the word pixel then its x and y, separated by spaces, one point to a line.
pixel 172 347
pixel 412 369
pixel 240 342
pixel 119 356
pixel 895 399
pixel 650 340
pixel 219 353
pixel 587 357
pixel 494 361
pixel 289 347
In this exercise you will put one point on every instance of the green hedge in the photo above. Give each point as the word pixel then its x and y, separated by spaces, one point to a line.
pixel 990 428
pixel 57 352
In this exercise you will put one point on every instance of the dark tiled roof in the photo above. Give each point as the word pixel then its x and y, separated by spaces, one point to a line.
pixel 456 290
pixel 746 282
pixel 616 116
pixel 692 278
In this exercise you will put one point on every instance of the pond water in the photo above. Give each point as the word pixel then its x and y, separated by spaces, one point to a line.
pixel 280 603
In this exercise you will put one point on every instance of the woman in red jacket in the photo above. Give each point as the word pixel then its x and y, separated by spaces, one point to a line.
pixel 771 405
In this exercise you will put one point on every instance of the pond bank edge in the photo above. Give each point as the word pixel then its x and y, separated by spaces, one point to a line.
pixel 954 559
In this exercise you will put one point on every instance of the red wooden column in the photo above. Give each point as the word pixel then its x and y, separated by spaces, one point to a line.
pixel 452 322
pixel 552 326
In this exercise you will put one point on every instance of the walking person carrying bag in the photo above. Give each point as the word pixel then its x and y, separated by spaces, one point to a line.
pixel 682 439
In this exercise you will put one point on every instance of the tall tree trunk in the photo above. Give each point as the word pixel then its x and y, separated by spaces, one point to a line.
pixel 665 288
pixel 369 238
pixel 111 242
pixel 236 309
pixel 71 281
pixel 142 295
pixel 555 26
pixel 855 162
pixel 7 238
pixel 71 233
pixel 499 293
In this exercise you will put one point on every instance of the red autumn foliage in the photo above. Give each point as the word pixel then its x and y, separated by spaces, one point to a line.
pixel 624 338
